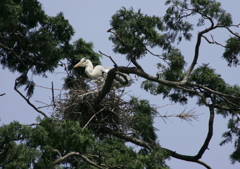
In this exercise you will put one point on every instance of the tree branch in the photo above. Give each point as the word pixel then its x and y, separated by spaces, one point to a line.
pixel 209 135
pixel 133 60
pixel 107 86
pixel 130 139
pixel 60 159
pixel 213 41
pixel 2 94
pixel 27 100
pixel 92 163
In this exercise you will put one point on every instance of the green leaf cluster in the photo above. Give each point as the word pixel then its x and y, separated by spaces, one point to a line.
pixel 31 41
pixel 233 126
pixel 135 29
pixel 142 121
pixel 232 51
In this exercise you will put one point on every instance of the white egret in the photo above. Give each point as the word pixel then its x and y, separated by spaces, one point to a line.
pixel 99 73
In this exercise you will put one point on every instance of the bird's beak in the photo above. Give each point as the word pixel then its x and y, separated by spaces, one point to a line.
pixel 78 64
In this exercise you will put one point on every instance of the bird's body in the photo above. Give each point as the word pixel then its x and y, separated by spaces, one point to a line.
pixel 99 73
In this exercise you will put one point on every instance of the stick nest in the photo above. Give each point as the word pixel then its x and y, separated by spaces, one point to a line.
pixel 78 104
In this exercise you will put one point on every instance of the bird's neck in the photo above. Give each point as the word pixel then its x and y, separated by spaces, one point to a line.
pixel 89 71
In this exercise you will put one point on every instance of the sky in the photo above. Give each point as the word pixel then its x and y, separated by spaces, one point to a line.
pixel 90 20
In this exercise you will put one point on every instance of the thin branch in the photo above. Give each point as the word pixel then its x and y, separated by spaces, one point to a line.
pixel 92 117
pixel 115 64
pixel 130 139
pixel 53 95
pixel 232 31
pixel 27 100
pixel 207 17
pixel 204 164
pixel 60 159
pixel 212 91
pixel 2 94
pixel 91 162
pixel 213 41
pixel 133 59
pixel 159 56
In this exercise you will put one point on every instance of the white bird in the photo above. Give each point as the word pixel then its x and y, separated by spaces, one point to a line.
pixel 99 73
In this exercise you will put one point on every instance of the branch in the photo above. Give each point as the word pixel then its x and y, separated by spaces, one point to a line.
pixel 159 56
pixel 232 31
pixel 207 17
pixel 213 41
pixel 91 162
pixel 92 117
pixel 115 64
pixel 60 159
pixel 107 86
pixel 130 139
pixel 133 60
pixel 53 100
pixel 2 94
pixel 204 146
pixel 194 62
pixel 204 164
pixel 209 135
pixel 14 53
pixel 27 100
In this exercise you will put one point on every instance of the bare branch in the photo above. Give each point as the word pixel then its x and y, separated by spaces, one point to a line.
pixel 115 64
pixel 213 41
pixel 27 100
pixel 232 31
pixel 204 164
pixel 2 94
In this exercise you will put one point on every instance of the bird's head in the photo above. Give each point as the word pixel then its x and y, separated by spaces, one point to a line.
pixel 84 62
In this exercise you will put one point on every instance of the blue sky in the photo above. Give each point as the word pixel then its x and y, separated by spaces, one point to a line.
pixel 90 20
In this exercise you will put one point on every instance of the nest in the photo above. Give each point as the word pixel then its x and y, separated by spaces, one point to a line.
pixel 78 105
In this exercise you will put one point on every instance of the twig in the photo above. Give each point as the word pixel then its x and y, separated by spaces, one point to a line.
pixel 92 117
pixel 115 64
pixel 53 95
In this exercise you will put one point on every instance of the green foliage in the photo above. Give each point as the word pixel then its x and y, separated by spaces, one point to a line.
pixel 31 41
pixel 232 51
pixel 36 145
pixel 143 119
pixel 206 76
pixel 136 29
pixel 233 126
pixel 39 146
